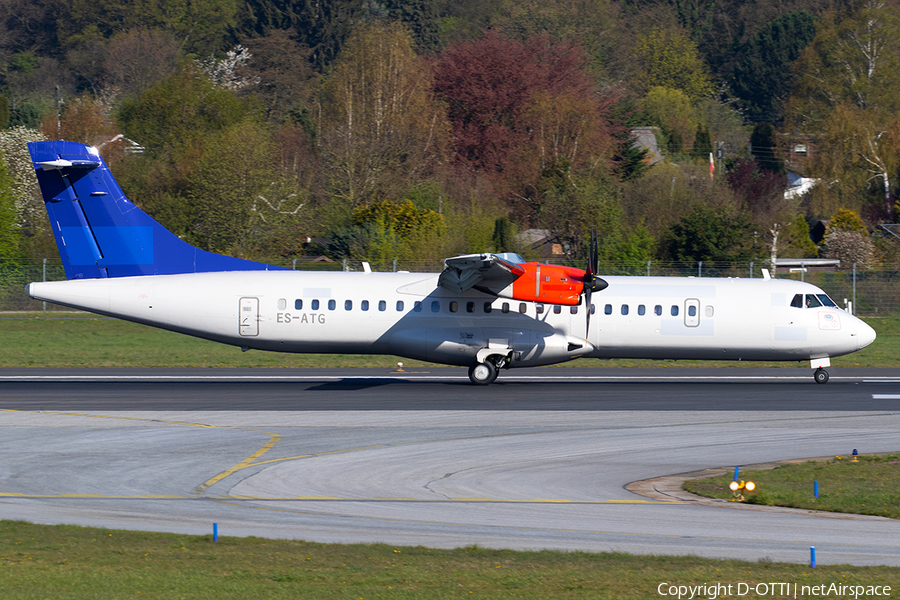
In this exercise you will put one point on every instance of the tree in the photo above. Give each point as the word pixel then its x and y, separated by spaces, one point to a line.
pixel 29 204
pixel 233 170
pixel 764 146
pixel 284 78
pixel 762 76
pixel 759 192
pixel 702 147
pixel 762 69
pixel 519 107
pixel 321 25
pixel 846 89
pixel 380 127
pixel 708 235
pixel 140 58
pixel 671 60
pixel 673 111
pixel 594 24
pixel 4 112
pixel 9 225
pixel 179 109
pixel 84 120
pixel 846 220
pixel 200 26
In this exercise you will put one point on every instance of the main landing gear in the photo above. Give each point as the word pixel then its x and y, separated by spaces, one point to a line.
pixel 484 373
pixel 821 375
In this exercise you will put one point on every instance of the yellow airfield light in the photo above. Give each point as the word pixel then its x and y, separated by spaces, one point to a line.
pixel 737 489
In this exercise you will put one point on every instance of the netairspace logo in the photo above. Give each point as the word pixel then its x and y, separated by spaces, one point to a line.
pixel 714 591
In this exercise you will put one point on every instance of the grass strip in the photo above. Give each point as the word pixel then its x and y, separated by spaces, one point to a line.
pixel 61 561
pixel 869 487
pixel 71 340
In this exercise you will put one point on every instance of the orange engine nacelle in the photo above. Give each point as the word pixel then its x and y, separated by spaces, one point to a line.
pixel 552 284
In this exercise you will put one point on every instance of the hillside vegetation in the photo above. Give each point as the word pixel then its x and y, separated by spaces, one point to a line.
pixel 427 128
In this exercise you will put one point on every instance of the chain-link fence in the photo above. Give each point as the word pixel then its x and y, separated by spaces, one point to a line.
pixel 875 292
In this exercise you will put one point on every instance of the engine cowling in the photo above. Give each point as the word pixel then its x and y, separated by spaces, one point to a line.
pixel 552 284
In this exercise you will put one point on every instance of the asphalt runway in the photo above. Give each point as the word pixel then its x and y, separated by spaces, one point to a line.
pixel 540 459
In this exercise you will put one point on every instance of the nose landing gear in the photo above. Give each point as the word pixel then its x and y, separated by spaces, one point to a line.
pixel 821 375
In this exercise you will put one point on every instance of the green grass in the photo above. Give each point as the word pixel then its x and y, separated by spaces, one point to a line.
pixel 58 340
pixel 43 561
pixel 870 486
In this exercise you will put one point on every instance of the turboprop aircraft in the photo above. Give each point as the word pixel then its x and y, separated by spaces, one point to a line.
pixel 484 311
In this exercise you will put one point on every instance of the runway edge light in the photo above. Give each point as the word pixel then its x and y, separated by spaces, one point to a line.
pixel 738 487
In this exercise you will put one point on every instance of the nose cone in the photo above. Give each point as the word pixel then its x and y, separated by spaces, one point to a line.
pixel 866 335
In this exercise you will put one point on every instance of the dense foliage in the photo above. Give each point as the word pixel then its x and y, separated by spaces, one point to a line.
pixel 425 128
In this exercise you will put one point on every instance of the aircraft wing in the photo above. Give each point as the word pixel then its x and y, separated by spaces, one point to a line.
pixel 485 272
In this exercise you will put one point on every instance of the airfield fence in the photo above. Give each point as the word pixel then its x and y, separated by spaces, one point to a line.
pixel 870 293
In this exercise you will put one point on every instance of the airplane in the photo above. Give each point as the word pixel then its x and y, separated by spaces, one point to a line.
pixel 487 312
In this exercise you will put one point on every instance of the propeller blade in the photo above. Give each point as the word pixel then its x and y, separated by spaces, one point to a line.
pixel 590 282
pixel 587 306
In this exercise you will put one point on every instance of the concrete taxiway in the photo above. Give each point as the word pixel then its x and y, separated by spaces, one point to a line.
pixel 539 460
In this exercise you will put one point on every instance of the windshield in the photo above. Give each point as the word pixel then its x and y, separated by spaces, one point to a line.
pixel 826 301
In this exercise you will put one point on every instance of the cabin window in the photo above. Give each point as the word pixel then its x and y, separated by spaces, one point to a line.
pixel 348 304
pixel 573 310
pixel 657 310
pixel 709 311
pixel 674 310
pixel 522 307
pixel 382 305
pixel 624 309
pixel 505 308
pixel 470 307
pixel 364 305
pixel 557 309
pixel 454 306
pixel 797 302
pixel 399 305
pixel 314 305
pixel 488 307
pixel 298 304
pixel 417 307
pixel 593 308
pixel 539 309
pixel 812 301
pixel 435 306
pixel 332 304
pixel 607 310
pixel 692 310
pixel 642 310
pixel 282 304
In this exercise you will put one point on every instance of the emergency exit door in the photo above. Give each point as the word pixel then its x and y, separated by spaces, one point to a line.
pixel 248 316
pixel 692 312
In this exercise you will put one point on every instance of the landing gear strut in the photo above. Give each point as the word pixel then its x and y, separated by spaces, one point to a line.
pixel 821 375
pixel 483 373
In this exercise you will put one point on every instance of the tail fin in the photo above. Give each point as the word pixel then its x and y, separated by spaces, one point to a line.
pixel 100 233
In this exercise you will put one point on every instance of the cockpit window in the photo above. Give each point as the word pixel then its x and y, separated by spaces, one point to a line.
pixel 797 302
pixel 812 301
pixel 826 301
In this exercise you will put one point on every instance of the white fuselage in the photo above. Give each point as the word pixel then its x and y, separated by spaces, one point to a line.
pixel 408 315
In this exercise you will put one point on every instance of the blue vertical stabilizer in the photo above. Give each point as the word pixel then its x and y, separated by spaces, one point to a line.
pixel 100 233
